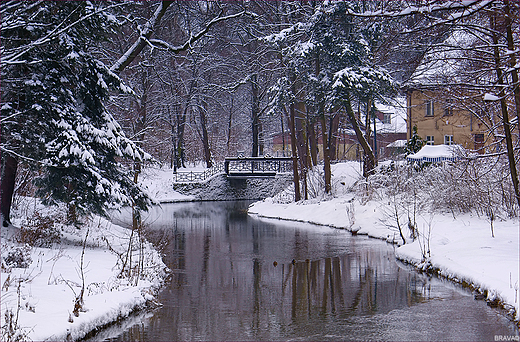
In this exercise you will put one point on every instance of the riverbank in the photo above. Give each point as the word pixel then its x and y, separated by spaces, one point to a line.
pixel 40 283
pixel 46 265
pixel 459 248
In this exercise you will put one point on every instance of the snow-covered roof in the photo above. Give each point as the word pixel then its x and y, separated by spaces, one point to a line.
pixel 442 61
pixel 397 111
pixel 436 153
pixel 398 144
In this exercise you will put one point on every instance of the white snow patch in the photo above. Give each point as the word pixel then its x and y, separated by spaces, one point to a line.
pixel 49 285
pixel 491 97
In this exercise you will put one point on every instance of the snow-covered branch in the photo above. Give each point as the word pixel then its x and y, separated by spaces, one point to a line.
pixel 14 56
pixel 146 33
pixel 471 6
pixel 193 38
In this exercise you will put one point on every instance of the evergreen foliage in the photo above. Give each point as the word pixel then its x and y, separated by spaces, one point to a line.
pixel 53 113
pixel 415 143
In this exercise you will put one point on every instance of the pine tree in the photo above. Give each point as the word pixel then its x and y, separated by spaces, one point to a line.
pixel 53 112
pixel 415 143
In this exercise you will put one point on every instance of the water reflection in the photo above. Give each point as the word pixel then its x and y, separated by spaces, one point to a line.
pixel 240 278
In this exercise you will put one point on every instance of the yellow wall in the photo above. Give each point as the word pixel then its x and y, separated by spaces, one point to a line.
pixel 460 124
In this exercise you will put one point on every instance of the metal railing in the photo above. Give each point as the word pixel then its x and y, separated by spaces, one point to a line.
pixel 198 176
pixel 258 165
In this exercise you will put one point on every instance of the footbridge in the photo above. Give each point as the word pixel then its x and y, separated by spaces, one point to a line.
pixel 240 168
pixel 257 166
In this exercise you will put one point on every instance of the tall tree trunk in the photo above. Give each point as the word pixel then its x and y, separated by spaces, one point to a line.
pixel 512 59
pixel 296 178
pixel 369 158
pixel 325 141
pixel 326 152
pixel 301 143
pixel 181 124
pixel 313 144
pixel 505 115
pixel 9 168
pixel 333 139
pixel 255 117
pixel 205 139
pixel 229 128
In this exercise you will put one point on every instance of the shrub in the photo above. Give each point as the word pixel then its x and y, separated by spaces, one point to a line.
pixel 39 231
pixel 18 257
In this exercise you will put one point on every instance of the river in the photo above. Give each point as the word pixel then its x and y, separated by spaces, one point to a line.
pixel 235 277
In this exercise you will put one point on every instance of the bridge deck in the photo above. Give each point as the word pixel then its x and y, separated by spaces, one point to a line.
pixel 257 166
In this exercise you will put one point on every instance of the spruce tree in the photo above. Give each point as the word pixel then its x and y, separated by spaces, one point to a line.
pixel 415 143
pixel 53 112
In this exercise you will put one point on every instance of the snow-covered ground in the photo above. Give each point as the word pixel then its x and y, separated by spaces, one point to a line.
pixel 43 282
pixel 158 182
pixel 461 248
pixel 45 289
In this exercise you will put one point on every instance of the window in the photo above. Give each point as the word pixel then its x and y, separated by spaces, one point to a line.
pixel 479 138
pixel 448 140
pixel 430 140
pixel 387 118
pixel 429 108
pixel 479 142
pixel 448 107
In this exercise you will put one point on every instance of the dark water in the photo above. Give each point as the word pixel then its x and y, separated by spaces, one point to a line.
pixel 240 278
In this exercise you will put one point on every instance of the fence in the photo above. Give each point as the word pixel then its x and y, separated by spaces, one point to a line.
pixel 198 176
pixel 257 165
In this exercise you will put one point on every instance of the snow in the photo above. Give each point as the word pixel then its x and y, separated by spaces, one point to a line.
pixel 436 153
pixel 491 97
pixel 398 143
pixel 158 183
pixel 461 247
pixel 49 285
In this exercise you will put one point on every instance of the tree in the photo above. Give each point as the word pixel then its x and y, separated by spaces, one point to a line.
pixel 415 143
pixel 333 52
pixel 53 113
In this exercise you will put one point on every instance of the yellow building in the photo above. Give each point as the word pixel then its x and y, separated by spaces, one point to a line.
pixel 442 119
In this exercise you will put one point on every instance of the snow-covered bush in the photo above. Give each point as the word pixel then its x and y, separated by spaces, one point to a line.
pixel 39 231
pixel 479 185
pixel 17 257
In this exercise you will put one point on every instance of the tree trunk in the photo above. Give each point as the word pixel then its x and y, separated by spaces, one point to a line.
pixel 313 144
pixel 512 59
pixel 333 139
pixel 326 153
pixel 369 159
pixel 205 140
pixel 505 115
pixel 255 117
pixel 301 143
pixel 9 168
pixel 296 178
pixel 325 141
pixel 181 123
pixel 229 128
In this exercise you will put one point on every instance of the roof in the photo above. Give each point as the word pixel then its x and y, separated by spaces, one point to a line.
pixel 398 143
pixel 437 153
pixel 397 111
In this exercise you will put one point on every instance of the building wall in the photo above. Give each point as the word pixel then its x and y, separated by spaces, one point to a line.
pixel 455 121
pixel 347 146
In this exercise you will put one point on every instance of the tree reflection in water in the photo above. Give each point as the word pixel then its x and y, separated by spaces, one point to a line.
pixel 239 278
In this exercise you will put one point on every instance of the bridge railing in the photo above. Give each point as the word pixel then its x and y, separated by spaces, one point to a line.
pixel 198 176
pixel 258 165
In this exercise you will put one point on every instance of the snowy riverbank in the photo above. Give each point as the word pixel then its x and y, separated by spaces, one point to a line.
pixel 460 248
pixel 43 282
